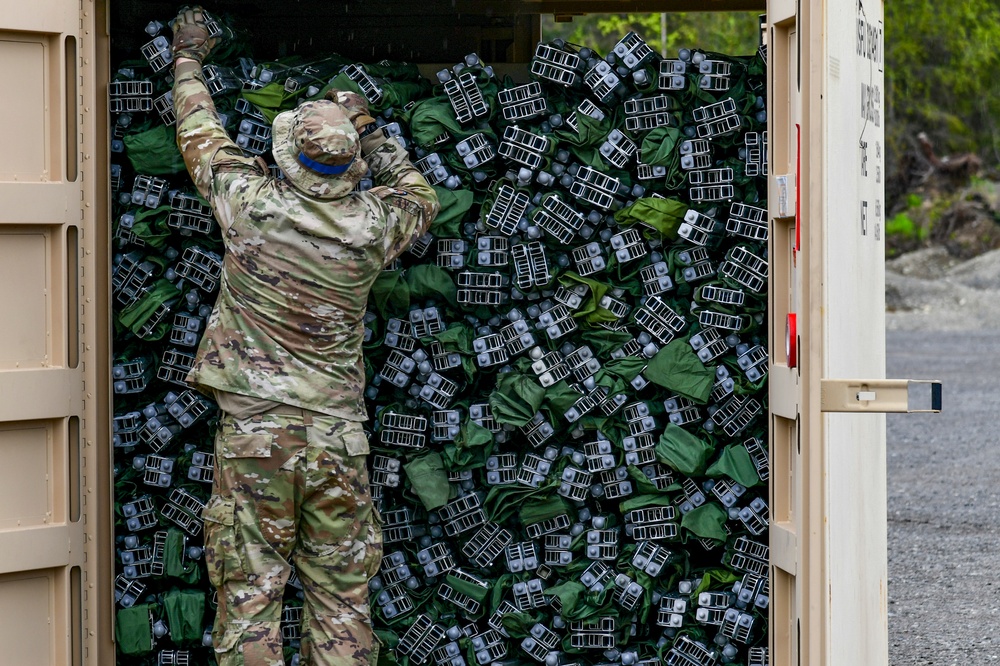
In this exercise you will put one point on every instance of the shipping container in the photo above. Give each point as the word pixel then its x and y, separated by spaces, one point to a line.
pixel 827 386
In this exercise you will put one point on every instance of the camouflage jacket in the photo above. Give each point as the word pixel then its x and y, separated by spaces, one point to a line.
pixel 288 323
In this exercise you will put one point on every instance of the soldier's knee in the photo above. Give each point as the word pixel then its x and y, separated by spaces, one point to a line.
pixel 248 644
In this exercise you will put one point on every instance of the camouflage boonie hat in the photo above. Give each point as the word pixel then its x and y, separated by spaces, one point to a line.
pixel 318 149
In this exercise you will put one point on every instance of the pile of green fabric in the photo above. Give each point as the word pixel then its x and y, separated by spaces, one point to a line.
pixel 567 374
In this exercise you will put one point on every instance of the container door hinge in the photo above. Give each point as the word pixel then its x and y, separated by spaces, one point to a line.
pixel 878 396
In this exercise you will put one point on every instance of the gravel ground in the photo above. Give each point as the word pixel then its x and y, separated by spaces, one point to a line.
pixel 943 498
pixel 928 291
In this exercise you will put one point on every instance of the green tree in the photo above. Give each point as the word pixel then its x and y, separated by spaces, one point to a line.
pixel 941 75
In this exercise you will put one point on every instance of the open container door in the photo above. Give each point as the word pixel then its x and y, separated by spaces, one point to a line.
pixel 53 436
pixel 828 491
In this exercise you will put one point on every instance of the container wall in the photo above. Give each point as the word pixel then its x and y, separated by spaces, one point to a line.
pixel 49 341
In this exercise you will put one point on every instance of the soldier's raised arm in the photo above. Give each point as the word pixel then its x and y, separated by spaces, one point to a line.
pixel 203 141
pixel 398 183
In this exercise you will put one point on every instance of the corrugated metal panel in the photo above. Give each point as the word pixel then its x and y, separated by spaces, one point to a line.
pixel 48 367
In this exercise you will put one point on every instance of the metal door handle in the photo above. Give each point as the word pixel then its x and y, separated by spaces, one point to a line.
pixel 875 395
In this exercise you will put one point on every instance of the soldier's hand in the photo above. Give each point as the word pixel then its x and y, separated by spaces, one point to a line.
pixel 191 36
pixel 355 106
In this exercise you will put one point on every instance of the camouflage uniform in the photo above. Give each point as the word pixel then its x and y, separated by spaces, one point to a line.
pixel 282 352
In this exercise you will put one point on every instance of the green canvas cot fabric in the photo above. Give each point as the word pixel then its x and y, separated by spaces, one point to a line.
pixel 454 206
pixel 472 590
pixel 713 578
pixel 683 451
pixel 470 449
pixel 659 148
pixel 175 560
pixel 536 510
pixel 154 151
pixel 271 100
pixel 457 337
pixel 185 612
pixel 390 293
pixel 428 479
pixel 662 215
pixel 430 282
pixel 516 399
pixel 433 116
pixel 677 367
pixel 136 316
pixel 706 521
pixel 590 311
pixel 627 368
pixel 604 341
pixel 473 435
pixel 585 143
pixel 642 501
pixel 734 461
pixel 560 397
pixel 518 625
pixel 503 502
pixel 133 629
pixel 151 226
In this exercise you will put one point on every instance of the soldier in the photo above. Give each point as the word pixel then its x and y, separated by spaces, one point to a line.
pixel 282 356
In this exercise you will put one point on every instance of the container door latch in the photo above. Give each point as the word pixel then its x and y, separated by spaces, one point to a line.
pixel 879 396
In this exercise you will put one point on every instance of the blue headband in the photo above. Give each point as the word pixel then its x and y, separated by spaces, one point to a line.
pixel 324 169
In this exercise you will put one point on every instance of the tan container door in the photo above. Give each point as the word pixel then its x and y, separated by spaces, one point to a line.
pixel 828 490
pixel 49 584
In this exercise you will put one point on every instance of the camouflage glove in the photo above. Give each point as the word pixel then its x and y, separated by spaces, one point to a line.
pixel 355 107
pixel 191 36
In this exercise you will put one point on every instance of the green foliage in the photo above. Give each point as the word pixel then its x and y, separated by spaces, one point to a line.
pixel 900 225
pixel 913 200
pixel 941 63
pixel 731 33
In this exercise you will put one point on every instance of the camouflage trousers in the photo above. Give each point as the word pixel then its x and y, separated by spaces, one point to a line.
pixel 291 488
